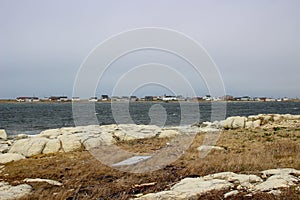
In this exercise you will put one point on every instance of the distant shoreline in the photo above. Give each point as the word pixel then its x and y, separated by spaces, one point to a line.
pixel 87 101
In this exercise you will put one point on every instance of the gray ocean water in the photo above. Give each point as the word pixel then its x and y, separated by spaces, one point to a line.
pixel 31 118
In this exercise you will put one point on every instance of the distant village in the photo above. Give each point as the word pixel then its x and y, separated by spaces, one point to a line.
pixel 164 98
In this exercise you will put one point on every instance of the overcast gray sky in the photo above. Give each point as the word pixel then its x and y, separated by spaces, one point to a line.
pixel 255 43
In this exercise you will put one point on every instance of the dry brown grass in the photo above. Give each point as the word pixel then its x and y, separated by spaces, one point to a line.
pixel 86 178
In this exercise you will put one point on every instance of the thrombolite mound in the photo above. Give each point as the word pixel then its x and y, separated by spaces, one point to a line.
pixel 190 188
pixel 87 137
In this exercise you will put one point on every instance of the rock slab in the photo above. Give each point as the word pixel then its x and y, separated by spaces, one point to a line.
pixel 8 192
pixel 39 180
pixel 190 188
pixel 9 157
pixel 3 134
pixel 29 147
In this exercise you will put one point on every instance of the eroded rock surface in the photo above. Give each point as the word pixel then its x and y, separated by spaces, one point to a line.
pixel 69 139
pixel 8 192
pixel 192 187
pixel 9 157
pixel 3 134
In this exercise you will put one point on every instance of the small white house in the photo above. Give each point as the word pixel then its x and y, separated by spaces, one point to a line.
pixel 75 99
pixel 28 99
pixel 169 98
pixel 93 99
pixel 207 98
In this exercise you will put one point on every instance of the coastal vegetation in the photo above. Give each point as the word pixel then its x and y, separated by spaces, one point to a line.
pixel 273 145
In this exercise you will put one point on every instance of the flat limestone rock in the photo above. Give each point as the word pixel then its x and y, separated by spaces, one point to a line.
pixel 276 182
pixel 235 178
pixel 208 148
pixel 168 133
pixel 189 188
pixel 8 192
pixel 51 182
pixel 125 132
pixel 281 171
pixel 9 157
pixel 132 160
pixel 199 185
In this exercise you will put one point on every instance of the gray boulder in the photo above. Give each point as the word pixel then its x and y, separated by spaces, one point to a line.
pixel 70 142
pixel 4 147
pixel 239 122
pixel 249 124
pixel 52 146
pixel 29 147
pixel 256 123
pixel 234 122
pixel 3 134
pixel 9 157
pixel 8 192
pixel 227 123
pixel 253 124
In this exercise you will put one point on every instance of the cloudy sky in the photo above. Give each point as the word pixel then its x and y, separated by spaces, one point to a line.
pixel 255 44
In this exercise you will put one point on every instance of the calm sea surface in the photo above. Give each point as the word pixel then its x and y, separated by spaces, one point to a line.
pixel 31 118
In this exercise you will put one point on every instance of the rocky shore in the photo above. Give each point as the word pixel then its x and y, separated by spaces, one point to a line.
pixel 72 139
pixel 75 138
